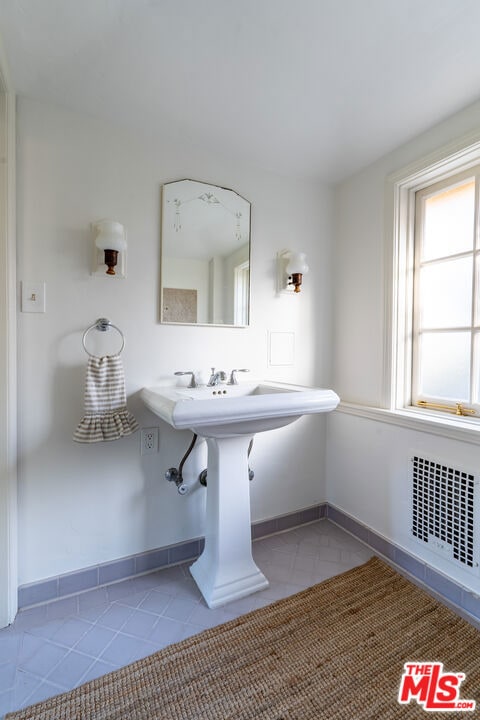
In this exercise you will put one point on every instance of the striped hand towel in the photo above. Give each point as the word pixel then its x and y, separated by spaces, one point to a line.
pixel 106 415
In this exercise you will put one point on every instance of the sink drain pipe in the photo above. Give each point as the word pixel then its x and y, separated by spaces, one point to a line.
pixel 175 474
pixel 203 475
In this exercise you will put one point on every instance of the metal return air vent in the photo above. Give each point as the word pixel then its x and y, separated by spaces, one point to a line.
pixel 443 510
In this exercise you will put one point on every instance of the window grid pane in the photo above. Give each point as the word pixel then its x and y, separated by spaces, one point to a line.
pixel 449 221
pixel 444 366
pixel 445 293
pixel 476 291
pixel 476 370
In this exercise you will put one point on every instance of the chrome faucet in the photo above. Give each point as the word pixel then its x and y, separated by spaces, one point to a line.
pixel 233 380
pixel 216 377
pixel 193 382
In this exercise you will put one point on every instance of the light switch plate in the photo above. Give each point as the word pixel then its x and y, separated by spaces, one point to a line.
pixel 33 297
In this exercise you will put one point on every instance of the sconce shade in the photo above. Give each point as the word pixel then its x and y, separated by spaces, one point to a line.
pixel 111 239
pixel 296 269
pixel 111 236
pixel 297 264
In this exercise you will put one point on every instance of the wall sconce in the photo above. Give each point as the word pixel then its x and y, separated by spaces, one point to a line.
pixel 110 248
pixel 291 267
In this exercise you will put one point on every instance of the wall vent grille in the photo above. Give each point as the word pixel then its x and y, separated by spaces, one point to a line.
pixel 443 510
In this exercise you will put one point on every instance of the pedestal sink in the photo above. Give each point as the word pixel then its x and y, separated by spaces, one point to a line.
pixel 228 416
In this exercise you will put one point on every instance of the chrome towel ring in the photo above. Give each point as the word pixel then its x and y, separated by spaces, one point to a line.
pixel 102 325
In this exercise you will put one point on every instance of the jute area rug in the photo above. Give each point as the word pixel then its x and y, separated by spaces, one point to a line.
pixel 333 651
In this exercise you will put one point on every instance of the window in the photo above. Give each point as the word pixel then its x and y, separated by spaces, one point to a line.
pixel 241 286
pixel 432 352
pixel 446 296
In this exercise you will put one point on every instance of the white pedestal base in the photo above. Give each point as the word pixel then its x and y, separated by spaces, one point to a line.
pixel 225 570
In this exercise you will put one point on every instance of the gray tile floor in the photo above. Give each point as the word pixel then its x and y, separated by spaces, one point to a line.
pixel 59 645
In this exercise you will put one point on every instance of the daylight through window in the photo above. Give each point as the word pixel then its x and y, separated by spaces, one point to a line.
pixel 446 296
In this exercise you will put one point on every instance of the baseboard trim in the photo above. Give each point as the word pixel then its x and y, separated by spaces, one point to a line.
pixel 464 601
pixel 125 568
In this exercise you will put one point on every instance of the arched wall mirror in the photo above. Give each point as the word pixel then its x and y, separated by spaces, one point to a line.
pixel 205 255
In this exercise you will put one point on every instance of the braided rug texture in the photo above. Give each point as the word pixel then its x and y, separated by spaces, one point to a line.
pixel 333 651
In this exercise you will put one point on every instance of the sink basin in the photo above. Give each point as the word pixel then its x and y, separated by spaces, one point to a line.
pixel 228 416
pixel 230 410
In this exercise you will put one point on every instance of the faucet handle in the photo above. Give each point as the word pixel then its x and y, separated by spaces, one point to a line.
pixel 233 380
pixel 193 382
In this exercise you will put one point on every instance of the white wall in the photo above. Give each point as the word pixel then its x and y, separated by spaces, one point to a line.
pixel 368 460
pixel 81 504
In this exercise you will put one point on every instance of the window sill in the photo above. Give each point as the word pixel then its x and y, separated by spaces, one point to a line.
pixel 434 423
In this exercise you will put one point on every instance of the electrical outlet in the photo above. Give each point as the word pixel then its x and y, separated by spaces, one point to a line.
pixel 148 441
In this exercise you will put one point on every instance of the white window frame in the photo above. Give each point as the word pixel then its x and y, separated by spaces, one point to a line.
pixel 471 328
pixel 8 359
pixel 400 225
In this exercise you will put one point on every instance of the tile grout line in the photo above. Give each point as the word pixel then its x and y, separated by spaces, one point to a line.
pixel 176 584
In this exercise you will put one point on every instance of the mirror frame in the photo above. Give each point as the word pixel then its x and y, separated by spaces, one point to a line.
pixel 162 231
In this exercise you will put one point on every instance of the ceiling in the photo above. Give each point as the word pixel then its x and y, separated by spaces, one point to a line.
pixel 305 88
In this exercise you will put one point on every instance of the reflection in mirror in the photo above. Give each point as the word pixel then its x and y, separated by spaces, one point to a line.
pixel 205 255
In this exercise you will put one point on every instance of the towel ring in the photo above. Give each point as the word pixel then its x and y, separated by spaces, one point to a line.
pixel 102 325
